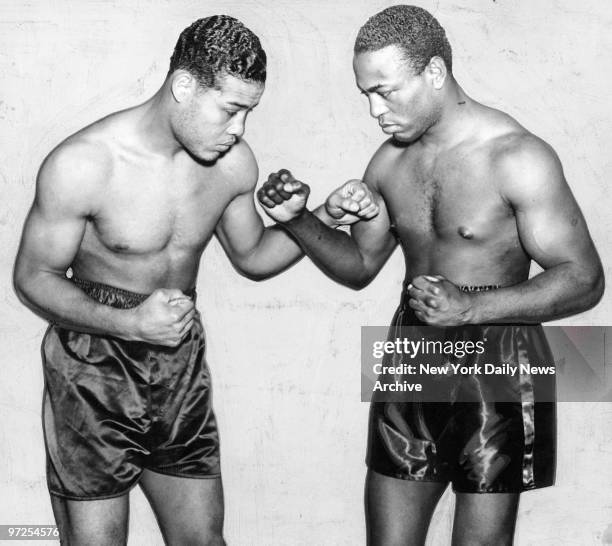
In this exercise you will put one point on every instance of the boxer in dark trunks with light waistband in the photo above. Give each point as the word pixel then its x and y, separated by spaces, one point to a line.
pixel 129 203
pixel 157 397
pixel 472 198
pixel 474 430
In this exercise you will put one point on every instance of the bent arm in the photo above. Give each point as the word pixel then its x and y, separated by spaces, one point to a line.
pixel 353 260
pixel 554 233
pixel 256 251
pixel 51 238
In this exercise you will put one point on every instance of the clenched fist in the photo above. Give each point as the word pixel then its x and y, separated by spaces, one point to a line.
pixel 283 198
pixel 438 302
pixel 351 202
pixel 164 318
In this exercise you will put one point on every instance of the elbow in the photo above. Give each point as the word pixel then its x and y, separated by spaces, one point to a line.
pixel 596 288
pixel 357 275
pixel 357 286
pixel 20 291
pixel 251 272
pixel 359 282
pixel 593 285
pixel 254 275
pixel 20 284
pixel 29 284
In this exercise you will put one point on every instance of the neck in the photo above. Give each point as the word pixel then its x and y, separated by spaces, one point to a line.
pixel 452 123
pixel 154 125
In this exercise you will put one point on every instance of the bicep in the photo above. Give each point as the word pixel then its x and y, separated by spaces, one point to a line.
pixel 550 224
pixel 55 225
pixel 240 227
pixel 50 241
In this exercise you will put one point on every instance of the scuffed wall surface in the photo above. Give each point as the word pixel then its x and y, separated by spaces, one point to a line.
pixel 285 353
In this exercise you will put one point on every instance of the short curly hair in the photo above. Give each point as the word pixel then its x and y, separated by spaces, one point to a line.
pixel 413 29
pixel 216 46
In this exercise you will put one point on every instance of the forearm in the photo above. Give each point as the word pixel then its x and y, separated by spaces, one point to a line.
pixel 333 251
pixel 276 250
pixel 58 300
pixel 562 290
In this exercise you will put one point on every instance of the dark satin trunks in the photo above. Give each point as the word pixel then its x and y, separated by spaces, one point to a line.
pixel 480 445
pixel 113 408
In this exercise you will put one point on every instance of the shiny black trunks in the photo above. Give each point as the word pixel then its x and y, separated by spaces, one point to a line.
pixel 113 408
pixel 480 445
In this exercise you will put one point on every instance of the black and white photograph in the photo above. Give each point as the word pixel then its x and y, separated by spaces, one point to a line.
pixel 222 222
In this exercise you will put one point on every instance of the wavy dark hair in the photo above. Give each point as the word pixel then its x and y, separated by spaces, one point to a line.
pixel 219 45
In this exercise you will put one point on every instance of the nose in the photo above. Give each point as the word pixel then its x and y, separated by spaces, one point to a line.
pixel 237 127
pixel 377 105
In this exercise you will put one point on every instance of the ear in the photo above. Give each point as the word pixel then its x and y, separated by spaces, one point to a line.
pixel 437 72
pixel 182 85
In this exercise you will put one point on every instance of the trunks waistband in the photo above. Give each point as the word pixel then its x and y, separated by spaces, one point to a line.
pixel 113 296
pixel 482 288
pixel 465 287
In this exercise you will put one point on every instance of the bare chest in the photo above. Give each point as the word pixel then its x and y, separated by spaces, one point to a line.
pixel 446 200
pixel 146 212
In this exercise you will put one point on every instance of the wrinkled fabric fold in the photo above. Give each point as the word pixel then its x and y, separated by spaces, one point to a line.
pixel 489 433
pixel 113 408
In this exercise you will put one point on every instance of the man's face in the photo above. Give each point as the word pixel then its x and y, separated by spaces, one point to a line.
pixel 214 118
pixel 401 101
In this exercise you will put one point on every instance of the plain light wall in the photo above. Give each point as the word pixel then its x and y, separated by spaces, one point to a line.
pixel 285 353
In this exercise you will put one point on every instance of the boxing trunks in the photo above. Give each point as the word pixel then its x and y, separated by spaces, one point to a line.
pixel 113 408
pixel 472 439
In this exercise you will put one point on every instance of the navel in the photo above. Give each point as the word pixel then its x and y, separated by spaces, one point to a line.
pixel 465 232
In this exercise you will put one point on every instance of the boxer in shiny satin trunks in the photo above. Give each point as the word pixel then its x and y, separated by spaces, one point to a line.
pixel 130 202
pixel 113 407
pixel 472 198
pixel 480 434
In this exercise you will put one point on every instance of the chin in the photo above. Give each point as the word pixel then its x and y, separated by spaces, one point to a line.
pixel 405 138
pixel 211 156
pixel 206 156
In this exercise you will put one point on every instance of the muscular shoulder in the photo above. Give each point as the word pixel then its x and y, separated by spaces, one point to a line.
pixel 238 168
pixel 74 173
pixel 525 167
pixel 383 162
